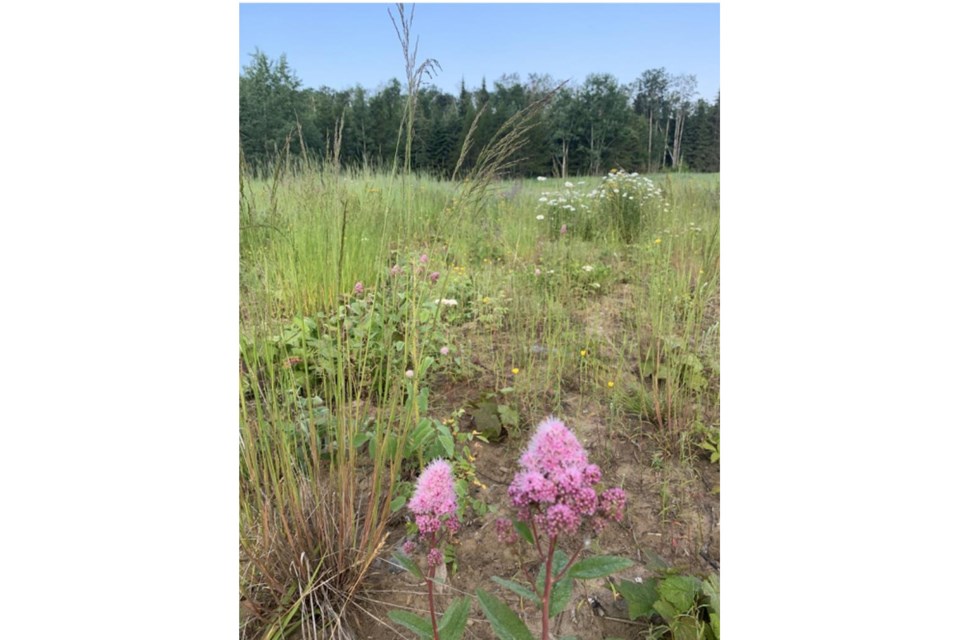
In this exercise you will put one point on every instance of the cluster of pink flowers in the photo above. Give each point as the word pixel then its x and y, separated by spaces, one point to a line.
pixel 434 506
pixel 358 288
pixel 555 488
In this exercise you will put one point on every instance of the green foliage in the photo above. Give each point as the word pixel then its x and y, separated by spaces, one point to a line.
pixel 599 567
pixel 685 606
pixel 454 620
pixel 492 416
pixel 506 624
pixel 418 624
pixel 586 130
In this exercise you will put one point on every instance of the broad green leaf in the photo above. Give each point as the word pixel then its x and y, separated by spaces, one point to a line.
pixel 655 562
pixel 524 530
pixel 420 626
pixel 680 591
pixel 666 610
pixel 685 628
pixel 560 595
pixel 509 415
pixel 404 561
pixel 517 588
pixel 397 503
pixel 639 597
pixel 446 439
pixel 599 567
pixel 506 624
pixel 454 620
pixel 559 562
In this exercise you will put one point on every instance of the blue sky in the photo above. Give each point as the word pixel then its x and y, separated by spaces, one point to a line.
pixel 342 45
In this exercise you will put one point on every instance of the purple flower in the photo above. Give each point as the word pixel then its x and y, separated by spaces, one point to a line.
pixel 409 547
pixel 434 276
pixel 434 557
pixel 555 489
pixel 358 288
pixel 434 500
pixel 395 270
pixel 423 258
pixel 553 447
pixel 506 534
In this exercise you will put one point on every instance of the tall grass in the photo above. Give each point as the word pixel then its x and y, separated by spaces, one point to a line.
pixel 317 246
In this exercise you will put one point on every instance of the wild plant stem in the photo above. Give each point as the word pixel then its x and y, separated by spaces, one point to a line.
pixel 547 586
pixel 433 612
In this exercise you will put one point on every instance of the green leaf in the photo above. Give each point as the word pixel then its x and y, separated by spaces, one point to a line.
pixel 560 595
pixel 524 530
pixel 397 503
pixel 517 588
pixel 508 415
pixel 666 610
pixel 599 567
pixel 680 591
pixel 506 624
pixel 559 562
pixel 419 625
pixel 404 561
pixel 454 620
pixel 655 562
pixel 685 628
pixel 446 439
pixel 639 597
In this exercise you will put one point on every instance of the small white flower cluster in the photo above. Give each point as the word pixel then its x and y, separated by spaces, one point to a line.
pixel 631 186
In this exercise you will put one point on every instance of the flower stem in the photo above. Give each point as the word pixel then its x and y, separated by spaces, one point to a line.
pixel 433 612
pixel 547 586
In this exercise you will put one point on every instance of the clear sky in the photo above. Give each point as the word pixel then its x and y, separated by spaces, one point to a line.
pixel 343 45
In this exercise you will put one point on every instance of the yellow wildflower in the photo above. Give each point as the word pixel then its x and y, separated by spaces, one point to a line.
pixel 515 371
pixel 583 353
pixel 657 241
pixel 610 384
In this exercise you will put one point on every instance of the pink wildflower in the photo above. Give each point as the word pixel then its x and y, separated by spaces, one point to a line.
pixel 358 288
pixel 563 229
pixel 555 490
pixel 444 350
pixel 536 272
pixel 434 557
pixel 434 499
pixel 506 534
pixel 434 276
pixel 409 373
pixel 395 270
pixel 409 547
pixel 423 258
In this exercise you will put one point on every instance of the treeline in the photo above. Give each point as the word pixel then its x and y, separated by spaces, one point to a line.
pixel 651 124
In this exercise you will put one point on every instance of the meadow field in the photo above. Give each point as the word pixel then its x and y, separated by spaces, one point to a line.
pixel 387 321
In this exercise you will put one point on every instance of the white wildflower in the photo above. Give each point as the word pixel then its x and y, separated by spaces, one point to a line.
pixel 541 179
pixel 568 185
pixel 540 217
pixel 588 268
pixel 542 199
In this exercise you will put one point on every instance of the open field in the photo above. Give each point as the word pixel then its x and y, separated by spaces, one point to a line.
pixel 386 321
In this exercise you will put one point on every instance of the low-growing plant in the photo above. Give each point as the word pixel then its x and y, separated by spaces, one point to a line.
pixel 434 506
pixel 556 502
pixel 686 607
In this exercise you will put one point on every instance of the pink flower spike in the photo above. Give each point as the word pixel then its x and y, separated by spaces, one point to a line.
pixel 434 499
pixel 358 288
